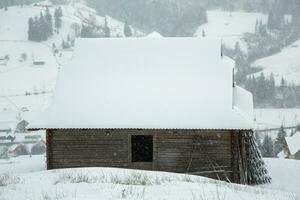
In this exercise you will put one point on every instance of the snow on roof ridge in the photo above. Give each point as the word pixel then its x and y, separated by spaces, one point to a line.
pixel 154 34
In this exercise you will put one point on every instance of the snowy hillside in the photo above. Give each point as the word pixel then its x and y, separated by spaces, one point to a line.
pixel 28 70
pixel 230 26
pixel 283 64
pixel 14 21
pixel 19 76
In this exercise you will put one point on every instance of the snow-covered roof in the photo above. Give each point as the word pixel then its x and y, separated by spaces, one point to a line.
pixel 154 35
pixel 294 143
pixel 156 83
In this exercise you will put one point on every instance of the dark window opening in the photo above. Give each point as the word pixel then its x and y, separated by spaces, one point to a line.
pixel 142 148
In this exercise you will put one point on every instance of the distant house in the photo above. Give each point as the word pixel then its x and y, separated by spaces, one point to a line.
pixel 3 60
pixel 6 137
pixel 16 150
pixel 164 104
pixel 21 126
pixel 38 148
pixel 38 63
pixel 292 150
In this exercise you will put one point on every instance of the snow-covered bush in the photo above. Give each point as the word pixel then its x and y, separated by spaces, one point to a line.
pixel 8 179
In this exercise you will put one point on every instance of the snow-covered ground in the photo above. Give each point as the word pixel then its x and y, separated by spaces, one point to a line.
pixel 112 183
pixel 274 118
pixel 18 77
pixel 283 64
pixel 23 164
pixel 285 174
pixel 230 26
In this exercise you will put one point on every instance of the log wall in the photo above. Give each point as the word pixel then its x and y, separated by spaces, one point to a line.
pixel 206 153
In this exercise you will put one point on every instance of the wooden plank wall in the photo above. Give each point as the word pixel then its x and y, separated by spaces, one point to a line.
pixel 87 148
pixel 207 153
pixel 196 152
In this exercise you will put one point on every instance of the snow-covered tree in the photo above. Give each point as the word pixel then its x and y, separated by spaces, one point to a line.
pixel 57 17
pixel 127 30
pixel 203 33
pixel 106 28
pixel 49 25
pixel 267 147
pixel 257 172
pixel 280 140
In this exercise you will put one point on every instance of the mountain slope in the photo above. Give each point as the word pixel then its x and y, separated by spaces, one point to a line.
pixel 230 26
pixel 283 64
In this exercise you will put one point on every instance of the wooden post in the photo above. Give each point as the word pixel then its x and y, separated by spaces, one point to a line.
pixel 234 158
pixel 49 148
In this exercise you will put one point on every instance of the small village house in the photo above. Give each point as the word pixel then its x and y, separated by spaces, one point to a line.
pixel 17 150
pixel 21 126
pixel 38 148
pixel 292 148
pixel 164 104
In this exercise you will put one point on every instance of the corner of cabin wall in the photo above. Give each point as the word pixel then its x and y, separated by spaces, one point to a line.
pixel 49 149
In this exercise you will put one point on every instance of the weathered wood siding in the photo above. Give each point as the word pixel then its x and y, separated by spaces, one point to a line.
pixel 207 153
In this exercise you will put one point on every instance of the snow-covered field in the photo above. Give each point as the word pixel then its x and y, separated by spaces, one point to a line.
pixel 283 64
pixel 18 76
pixel 274 118
pixel 230 26
pixel 112 183
pixel 285 174
pixel 23 164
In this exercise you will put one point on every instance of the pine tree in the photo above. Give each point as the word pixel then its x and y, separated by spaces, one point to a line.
pixel 264 6
pixel 42 27
pixel 271 89
pixel 203 33
pixel 60 12
pixel 36 33
pixel 86 32
pixel 63 44
pixel 127 30
pixel 280 141
pixel 261 94
pixel 53 47
pixel 48 18
pixel 298 127
pixel 267 147
pixel 106 28
pixel 30 29
pixel 57 18
pixel 282 82
pixel 256 31
pixel 271 20
pixel 237 48
pixel 262 29
pixel 248 5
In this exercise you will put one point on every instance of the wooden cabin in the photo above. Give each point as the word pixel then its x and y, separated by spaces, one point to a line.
pixel 164 104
